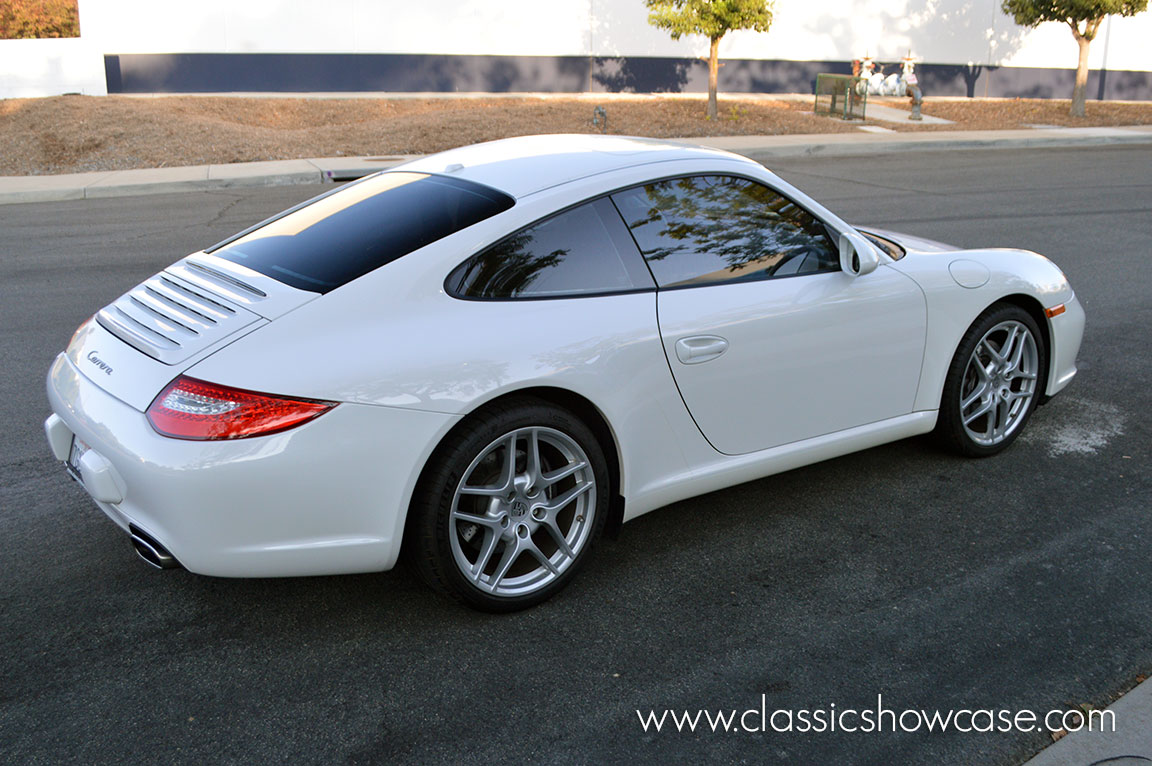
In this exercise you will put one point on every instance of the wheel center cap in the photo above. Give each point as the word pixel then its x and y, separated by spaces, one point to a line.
pixel 518 509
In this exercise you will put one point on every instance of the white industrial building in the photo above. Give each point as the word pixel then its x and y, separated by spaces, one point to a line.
pixel 968 47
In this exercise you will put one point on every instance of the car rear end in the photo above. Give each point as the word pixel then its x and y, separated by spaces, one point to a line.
pixel 301 492
pixel 233 482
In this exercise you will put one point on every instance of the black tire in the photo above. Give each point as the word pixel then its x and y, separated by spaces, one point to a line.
pixel 1011 395
pixel 520 523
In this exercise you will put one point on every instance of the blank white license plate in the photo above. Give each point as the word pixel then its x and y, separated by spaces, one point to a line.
pixel 74 456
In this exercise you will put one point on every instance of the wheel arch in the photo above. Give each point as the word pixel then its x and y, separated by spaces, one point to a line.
pixel 595 419
pixel 583 408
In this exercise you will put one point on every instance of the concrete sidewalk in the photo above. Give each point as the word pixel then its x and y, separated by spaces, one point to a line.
pixel 1129 745
pixel 120 183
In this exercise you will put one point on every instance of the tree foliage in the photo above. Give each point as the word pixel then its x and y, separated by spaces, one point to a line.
pixel 20 19
pixel 711 18
pixel 1029 13
pixel 1083 17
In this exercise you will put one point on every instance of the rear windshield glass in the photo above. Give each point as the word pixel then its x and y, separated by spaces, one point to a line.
pixel 342 236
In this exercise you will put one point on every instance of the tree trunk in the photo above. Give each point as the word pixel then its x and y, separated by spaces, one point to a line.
pixel 713 76
pixel 1080 92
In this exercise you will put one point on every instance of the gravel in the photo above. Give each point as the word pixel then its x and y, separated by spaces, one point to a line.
pixel 72 134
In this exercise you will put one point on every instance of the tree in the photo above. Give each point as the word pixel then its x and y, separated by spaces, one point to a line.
pixel 38 18
pixel 712 19
pixel 1083 16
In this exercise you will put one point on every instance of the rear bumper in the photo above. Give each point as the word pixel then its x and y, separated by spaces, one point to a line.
pixel 328 497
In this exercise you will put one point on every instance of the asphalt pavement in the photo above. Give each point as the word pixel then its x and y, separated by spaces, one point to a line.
pixel 1017 582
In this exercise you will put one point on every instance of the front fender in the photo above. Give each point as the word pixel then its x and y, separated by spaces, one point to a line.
pixel 959 285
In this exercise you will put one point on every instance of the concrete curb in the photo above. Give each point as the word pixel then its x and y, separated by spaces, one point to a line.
pixel 126 183
pixel 762 148
pixel 121 183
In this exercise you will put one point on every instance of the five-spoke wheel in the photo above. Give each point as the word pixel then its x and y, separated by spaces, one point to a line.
pixel 523 511
pixel 510 505
pixel 994 382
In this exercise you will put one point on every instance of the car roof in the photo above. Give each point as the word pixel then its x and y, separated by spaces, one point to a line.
pixel 524 165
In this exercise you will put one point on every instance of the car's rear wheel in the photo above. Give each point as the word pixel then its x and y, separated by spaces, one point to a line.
pixel 509 506
pixel 994 382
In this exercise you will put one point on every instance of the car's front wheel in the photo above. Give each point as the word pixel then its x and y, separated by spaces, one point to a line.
pixel 509 506
pixel 994 383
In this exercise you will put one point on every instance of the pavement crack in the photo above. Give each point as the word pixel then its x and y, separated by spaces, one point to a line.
pixel 236 200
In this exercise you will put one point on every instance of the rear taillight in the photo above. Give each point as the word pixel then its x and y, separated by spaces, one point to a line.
pixel 83 326
pixel 194 409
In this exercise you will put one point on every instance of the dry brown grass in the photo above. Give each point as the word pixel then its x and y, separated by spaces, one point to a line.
pixel 69 134
pixel 1007 114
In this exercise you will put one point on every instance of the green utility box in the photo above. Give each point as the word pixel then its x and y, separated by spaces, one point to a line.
pixel 841 95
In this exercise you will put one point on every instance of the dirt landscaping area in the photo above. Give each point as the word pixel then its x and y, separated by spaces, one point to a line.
pixel 72 134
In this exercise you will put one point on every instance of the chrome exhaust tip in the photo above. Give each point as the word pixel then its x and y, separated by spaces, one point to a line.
pixel 150 550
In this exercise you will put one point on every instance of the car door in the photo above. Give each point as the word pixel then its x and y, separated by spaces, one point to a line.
pixel 768 340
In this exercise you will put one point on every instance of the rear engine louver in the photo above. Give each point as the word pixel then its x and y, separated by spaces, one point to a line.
pixel 180 311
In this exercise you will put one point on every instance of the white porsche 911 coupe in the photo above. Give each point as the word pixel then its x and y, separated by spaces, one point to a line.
pixel 487 355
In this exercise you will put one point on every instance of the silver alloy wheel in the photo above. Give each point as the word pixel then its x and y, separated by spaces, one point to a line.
pixel 999 383
pixel 523 511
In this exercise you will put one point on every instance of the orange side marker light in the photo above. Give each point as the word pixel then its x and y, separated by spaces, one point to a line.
pixel 1055 311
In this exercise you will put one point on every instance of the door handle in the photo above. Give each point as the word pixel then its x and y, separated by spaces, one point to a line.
pixel 700 348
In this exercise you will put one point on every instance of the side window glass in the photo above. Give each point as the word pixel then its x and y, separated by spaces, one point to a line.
pixel 572 253
pixel 707 229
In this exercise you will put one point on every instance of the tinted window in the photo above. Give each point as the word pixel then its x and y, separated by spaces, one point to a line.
pixel 573 253
pixel 339 237
pixel 708 229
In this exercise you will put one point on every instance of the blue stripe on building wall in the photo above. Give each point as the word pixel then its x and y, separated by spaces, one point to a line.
pixel 414 73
